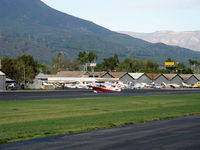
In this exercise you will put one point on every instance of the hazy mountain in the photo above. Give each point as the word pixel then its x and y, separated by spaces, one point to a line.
pixel 188 39
pixel 32 27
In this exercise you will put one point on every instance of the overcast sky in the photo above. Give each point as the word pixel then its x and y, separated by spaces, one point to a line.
pixel 135 15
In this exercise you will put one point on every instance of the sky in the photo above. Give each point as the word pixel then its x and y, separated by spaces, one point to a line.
pixel 142 16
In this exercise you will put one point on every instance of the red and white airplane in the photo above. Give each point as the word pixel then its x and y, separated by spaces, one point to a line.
pixel 107 86
pixel 97 84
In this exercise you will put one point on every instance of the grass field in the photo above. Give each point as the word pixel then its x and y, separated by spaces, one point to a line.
pixel 21 120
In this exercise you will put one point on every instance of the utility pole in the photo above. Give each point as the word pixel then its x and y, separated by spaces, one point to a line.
pixel 24 75
pixel 86 66
pixel 0 64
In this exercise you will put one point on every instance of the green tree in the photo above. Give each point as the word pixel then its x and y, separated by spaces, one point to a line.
pixel 8 66
pixel 134 65
pixel 22 69
pixel 150 66
pixel 182 69
pixel 92 57
pixel 188 71
pixel 193 62
pixel 58 62
pixel 194 65
pixel 21 72
pixel 44 68
pixel 110 63
pixel 129 65
pixel 62 64
pixel 71 65
pixel 125 66
pixel 169 60
pixel 26 67
pixel 87 57
pixel 83 57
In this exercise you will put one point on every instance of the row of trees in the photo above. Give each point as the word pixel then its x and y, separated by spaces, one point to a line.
pixel 114 64
pixel 127 65
pixel 24 68
pixel 147 66
pixel 60 63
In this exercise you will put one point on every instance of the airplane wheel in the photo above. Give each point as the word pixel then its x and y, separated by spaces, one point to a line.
pixel 95 91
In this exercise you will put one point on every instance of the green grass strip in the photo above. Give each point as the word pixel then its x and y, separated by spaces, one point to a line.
pixel 22 120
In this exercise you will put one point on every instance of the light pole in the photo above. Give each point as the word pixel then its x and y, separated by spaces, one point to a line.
pixel 0 63
pixel 24 75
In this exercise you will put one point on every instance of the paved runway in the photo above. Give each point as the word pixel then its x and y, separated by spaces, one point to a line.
pixel 173 134
pixel 80 93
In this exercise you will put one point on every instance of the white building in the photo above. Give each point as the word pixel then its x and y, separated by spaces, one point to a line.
pixel 2 81
pixel 38 81
pixel 140 78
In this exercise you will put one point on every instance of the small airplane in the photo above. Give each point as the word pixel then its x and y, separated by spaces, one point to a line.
pixel 171 85
pixel 139 85
pixel 196 85
pixel 145 85
pixel 107 87
pixel 187 85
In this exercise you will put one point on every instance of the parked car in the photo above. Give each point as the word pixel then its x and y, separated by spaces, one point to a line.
pixel 13 86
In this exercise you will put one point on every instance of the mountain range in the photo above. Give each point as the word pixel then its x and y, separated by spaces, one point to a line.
pixel 187 39
pixel 32 27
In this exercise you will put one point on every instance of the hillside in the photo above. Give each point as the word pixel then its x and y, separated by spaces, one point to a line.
pixel 32 27
pixel 187 39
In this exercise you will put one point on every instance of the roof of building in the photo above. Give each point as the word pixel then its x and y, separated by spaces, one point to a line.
pixel 153 76
pixel 170 76
pixel 72 74
pixel 197 76
pixel 2 74
pixel 97 74
pixel 9 80
pixel 136 75
pixel 42 76
pixel 185 76
pixel 117 74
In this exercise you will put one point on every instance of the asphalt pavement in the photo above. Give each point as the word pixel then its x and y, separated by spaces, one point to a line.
pixel 82 93
pixel 172 134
